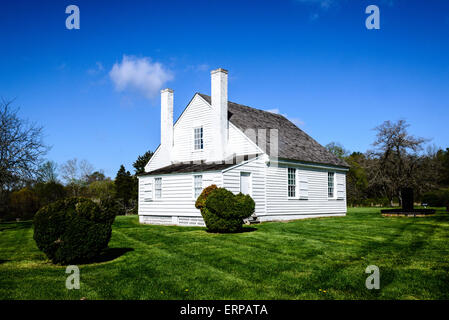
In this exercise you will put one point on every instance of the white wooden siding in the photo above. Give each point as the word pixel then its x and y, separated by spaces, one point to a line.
pixel 317 203
pixel 177 197
pixel 231 181
pixel 239 143
pixel 199 114
pixel 156 161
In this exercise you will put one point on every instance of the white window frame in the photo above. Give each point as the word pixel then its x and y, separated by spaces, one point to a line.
pixel 195 196
pixel 156 188
pixel 295 181
pixel 333 185
pixel 200 138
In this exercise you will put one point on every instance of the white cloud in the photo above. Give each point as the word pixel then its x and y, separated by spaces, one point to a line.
pixel 298 122
pixel 140 74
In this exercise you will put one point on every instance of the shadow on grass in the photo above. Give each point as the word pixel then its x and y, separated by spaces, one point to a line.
pixel 15 225
pixel 248 229
pixel 3 261
pixel 110 254
pixel 243 230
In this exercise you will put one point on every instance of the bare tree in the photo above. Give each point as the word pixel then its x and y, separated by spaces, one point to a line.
pixel 21 148
pixel 76 174
pixel 86 169
pixel 398 159
pixel 69 171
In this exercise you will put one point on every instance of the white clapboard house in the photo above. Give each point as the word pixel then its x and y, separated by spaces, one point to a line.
pixel 214 141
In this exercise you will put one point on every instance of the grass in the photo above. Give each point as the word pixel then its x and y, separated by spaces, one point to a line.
pixel 321 258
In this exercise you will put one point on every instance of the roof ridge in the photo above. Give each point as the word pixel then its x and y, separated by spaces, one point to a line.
pixel 244 105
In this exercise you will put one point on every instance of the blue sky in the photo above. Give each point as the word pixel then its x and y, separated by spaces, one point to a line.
pixel 312 60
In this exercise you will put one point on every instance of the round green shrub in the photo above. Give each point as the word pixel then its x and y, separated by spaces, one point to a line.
pixel 72 230
pixel 201 200
pixel 223 211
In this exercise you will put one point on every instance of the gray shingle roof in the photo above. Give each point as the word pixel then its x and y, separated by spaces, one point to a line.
pixel 199 166
pixel 294 144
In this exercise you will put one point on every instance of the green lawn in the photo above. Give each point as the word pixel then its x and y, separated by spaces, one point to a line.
pixel 294 260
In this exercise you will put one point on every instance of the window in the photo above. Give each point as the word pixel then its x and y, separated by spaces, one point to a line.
pixel 330 184
pixel 198 138
pixel 197 185
pixel 158 188
pixel 291 182
pixel 245 182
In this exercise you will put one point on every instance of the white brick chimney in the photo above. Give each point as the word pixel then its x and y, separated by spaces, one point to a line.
pixel 219 101
pixel 167 122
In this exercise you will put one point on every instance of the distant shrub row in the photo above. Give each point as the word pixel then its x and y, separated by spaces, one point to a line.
pixel 438 198
pixel 24 203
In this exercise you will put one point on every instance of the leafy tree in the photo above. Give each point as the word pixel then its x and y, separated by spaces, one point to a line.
pixel 48 172
pixel 337 149
pixel 124 185
pixel 141 162
pixel 95 177
pixel 102 190
pixel 442 157
pixel 24 203
pixel 48 192
pixel 437 198
pixel 356 178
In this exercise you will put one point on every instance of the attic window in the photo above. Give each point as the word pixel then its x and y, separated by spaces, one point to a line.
pixel 198 138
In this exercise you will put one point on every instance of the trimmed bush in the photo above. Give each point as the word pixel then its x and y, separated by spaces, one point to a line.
pixel 201 201
pixel 72 230
pixel 223 211
pixel 110 205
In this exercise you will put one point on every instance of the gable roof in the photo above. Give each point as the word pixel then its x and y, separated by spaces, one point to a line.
pixel 294 144
pixel 199 166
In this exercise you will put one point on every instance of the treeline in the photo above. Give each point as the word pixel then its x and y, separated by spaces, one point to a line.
pixel 28 182
pixel 397 160
pixel 79 180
